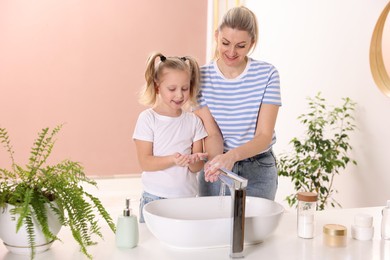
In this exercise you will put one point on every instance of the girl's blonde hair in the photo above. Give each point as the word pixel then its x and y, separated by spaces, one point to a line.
pixel 156 64
pixel 240 18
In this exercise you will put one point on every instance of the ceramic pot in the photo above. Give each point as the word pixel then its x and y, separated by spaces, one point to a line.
pixel 17 242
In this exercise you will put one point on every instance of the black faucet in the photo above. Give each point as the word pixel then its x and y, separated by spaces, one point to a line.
pixel 237 186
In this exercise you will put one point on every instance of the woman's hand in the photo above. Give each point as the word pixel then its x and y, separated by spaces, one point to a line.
pixel 220 161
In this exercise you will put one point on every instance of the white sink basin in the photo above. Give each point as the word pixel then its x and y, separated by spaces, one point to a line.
pixel 205 222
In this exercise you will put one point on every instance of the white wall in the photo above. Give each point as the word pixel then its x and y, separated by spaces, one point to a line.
pixel 324 46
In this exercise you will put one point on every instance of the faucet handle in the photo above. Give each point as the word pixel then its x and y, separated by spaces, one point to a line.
pixel 232 180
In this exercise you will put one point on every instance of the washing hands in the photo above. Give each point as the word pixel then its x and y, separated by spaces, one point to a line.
pixel 185 160
pixel 211 169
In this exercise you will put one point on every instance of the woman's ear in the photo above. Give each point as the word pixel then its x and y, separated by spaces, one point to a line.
pixel 216 33
pixel 252 44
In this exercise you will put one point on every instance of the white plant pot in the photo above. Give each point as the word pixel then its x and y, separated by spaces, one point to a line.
pixel 17 242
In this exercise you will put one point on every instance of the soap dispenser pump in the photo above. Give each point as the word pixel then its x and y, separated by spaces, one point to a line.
pixel 127 229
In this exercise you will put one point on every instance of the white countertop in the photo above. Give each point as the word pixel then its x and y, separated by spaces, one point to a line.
pixel 283 244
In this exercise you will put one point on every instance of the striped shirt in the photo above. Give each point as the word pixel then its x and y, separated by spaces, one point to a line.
pixel 235 103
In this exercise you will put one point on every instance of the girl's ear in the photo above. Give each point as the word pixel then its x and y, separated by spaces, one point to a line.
pixel 156 87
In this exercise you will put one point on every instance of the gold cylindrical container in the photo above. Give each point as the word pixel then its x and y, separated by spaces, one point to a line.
pixel 335 235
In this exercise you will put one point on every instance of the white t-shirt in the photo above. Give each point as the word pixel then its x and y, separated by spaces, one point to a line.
pixel 169 135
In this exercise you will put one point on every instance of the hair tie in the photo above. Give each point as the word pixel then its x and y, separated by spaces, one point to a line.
pixel 162 58
pixel 183 58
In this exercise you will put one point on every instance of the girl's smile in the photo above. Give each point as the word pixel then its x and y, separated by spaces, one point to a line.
pixel 173 92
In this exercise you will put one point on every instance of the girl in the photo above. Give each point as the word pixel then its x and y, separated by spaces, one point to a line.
pixel 169 140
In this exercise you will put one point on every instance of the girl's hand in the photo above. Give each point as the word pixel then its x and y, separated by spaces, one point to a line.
pixel 182 160
pixel 196 157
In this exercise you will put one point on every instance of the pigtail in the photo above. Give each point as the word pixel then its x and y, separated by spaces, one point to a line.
pixel 148 95
pixel 195 79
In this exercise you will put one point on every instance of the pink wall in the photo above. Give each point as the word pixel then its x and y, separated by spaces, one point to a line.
pixel 82 63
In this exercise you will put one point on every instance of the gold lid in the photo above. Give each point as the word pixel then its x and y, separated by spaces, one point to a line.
pixel 307 196
pixel 335 230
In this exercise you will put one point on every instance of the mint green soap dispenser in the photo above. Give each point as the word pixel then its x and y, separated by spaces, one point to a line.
pixel 127 229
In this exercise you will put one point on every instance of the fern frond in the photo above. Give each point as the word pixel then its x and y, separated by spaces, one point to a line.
pixel 49 144
pixel 24 210
pixel 40 213
pixel 102 211
pixel 7 175
pixel 58 210
pixel 4 139
pixel 30 233
pixel 42 148
pixel 21 173
pixel 76 219
pixel 37 150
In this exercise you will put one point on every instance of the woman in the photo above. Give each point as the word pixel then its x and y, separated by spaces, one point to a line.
pixel 238 104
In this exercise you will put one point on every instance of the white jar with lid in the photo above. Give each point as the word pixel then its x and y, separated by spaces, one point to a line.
pixel 307 204
pixel 362 228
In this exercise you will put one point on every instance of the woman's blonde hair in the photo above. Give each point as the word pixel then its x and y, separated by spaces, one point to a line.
pixel 155 69
pixel 240 18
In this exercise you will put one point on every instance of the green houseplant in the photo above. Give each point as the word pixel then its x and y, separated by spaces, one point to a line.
pixel 322 152
pixel 37 187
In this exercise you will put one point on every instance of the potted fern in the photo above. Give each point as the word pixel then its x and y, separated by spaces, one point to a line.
pixel 39 198
pixel 322 153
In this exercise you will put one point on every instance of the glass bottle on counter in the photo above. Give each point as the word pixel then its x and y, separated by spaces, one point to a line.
pixel 307 204
pixel 385 227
